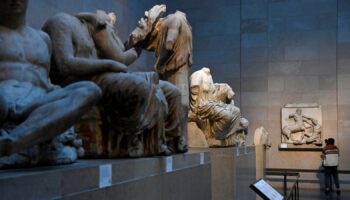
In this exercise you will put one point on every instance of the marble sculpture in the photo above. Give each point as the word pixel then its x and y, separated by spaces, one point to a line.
pixel 35 115
pixel 170 38
pixel 141 114
pixel 212 109
pixel 261 137
pixel 299 128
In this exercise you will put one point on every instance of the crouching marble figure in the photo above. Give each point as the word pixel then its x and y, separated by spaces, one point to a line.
pixel 214 112
pixel 171 40
pixel 33 112
pixel 141 114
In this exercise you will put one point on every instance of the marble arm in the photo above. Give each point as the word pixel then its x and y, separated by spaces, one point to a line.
pixel 109 46
pixel 306 117
pixel 309 120
pixel 173 33
pixel 68 64
pixel 106 40
pixel 173 26
pixel 46 38
pixel 97 20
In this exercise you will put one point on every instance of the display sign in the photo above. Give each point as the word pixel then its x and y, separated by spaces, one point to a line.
pixel 265 190
pixel 201 158
pixel 105 179
pixel 168 164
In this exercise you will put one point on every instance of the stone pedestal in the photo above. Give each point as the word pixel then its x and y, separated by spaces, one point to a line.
pixel 260 161
pixel 232 171
pixel 184 176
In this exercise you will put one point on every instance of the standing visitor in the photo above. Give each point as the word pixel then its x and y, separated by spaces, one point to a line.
pixel 330 155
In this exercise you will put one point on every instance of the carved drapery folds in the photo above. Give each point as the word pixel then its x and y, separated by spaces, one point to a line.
pixel 214 112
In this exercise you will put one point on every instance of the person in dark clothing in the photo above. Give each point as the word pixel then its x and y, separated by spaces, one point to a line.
pixel 330 155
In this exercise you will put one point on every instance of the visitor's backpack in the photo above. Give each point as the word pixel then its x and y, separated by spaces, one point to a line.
pixel 331 157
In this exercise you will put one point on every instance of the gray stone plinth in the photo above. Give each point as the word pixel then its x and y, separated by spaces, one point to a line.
pixel 182 176
pixel 232 172
pixel 260 152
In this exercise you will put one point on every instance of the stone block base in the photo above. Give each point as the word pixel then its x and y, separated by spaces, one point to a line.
pixel 182 176
pixel 232 170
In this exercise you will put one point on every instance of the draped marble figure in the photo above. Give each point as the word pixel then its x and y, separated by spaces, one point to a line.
pixel 33 112
pixel 213 110
pixel 141 113
pixel 170 38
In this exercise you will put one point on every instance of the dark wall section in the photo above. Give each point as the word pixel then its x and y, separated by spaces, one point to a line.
pixel 291 48
pixel 274 52
pixel 254 63
pixel 343 87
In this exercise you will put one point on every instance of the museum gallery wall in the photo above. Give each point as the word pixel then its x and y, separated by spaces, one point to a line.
pixel 274 53
pixel 270 53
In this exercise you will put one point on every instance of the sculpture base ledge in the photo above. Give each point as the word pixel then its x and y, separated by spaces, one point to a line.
pixel 181 176
pixel 302 147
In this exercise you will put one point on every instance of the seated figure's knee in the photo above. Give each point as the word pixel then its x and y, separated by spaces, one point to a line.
pixel 142 87
pixel 134 84
pixel 125 92
pixel 130 84
pixel 88 90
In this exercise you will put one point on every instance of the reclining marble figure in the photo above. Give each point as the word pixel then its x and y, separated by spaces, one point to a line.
pixel 171 40
pixel 141 113
pixel 214 112
pixel 34 112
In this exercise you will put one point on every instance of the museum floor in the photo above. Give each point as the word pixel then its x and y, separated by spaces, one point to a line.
pixel 313 194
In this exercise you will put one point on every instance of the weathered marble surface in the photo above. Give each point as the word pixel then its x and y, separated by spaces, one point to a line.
pixel 302 124
pixel 140 114
pixel 261 143
pixel 196 137
pixel 214 112
pixel 33 111
pixel 261 137
pixel 170 38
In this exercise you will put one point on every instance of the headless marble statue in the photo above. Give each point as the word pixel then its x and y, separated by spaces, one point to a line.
pixel 32 110
pixel 134 104
pixel 213 110
pixel 171 40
